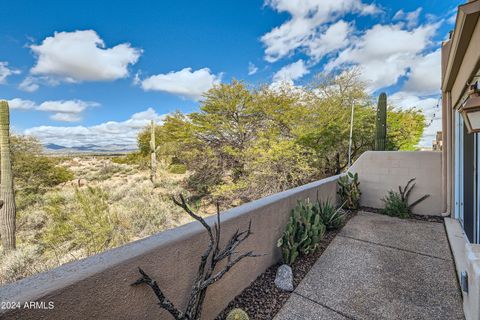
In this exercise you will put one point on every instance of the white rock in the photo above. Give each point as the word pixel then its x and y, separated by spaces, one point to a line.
pixel 284 278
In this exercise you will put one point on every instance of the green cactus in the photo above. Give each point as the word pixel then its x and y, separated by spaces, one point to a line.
pixel 8 210
pixel 381 124
pixel 349 191
pixel 330 216
pixel 153 153
pixel 302 233
pixel 237 314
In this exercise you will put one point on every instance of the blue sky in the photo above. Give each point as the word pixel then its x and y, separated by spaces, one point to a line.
pixel 93 72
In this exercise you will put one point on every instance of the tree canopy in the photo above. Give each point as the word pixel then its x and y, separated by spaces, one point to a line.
pixel 246 142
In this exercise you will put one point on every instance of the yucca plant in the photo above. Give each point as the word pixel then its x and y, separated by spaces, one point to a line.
pixel 396 203
pixel 331 217
pixel 349 191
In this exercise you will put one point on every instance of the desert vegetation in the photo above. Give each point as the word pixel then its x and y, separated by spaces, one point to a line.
pixel 243 143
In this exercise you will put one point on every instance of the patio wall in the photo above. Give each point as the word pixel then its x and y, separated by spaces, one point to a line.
pixel 381 171
pixel 99 287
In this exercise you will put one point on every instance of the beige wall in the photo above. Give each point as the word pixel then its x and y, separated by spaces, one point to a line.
pixel 99 287
pixel 380 171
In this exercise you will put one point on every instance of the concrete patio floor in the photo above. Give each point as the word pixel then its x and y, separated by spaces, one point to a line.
pixel 380 267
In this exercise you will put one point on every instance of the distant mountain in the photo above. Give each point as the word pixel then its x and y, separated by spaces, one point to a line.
pixel 88 148
pixel 53 146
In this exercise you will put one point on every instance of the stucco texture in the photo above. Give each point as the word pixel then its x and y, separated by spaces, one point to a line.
pixel 99 287
pixel 381 171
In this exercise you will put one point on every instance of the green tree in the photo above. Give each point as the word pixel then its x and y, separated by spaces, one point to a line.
pixel 33 172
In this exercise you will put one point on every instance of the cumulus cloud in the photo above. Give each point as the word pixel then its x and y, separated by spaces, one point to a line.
pixel 385 53
pixel 82 56
pixel 334 38
pixel 21 104
pixel 252 69
pixel 308 19
pixel 6 71
pixel 66 106
pixel 424 77
pixel 410 18
pixel 112 133
pixel 184 83
pixel 63 110
pixel 291 72
pixel 66 117
pixel 29 84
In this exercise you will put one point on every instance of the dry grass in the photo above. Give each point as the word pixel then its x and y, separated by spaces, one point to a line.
pixel 132 208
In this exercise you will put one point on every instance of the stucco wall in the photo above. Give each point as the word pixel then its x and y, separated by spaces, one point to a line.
pixel 380 171
pixel 99 287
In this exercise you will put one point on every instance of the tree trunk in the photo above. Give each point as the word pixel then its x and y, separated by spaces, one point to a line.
pixel 8 210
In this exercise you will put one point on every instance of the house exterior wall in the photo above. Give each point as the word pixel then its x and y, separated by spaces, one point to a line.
pixel 381 171
pixel 460 62
pixel 98 287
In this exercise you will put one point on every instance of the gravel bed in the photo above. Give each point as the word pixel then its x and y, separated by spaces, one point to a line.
pixel 262 299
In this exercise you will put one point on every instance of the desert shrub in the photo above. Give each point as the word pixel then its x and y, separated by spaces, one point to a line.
pixel 302 233
pixel 33 172
pixel 134 158
pixel 349 191
pixel 177 168
pixel 19 263
pixel 331 217
pixel 107 171
pixel 396 203
pixel 83 222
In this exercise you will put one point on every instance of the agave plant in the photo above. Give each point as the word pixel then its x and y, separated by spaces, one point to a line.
pixel 331 216
pixel 396 203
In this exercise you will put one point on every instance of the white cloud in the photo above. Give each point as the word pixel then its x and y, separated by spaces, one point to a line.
pixel 185 83
pixel 66 117
pixel 21 104
pixel 291 72
pixel 252 69
pixel 6 71
pixel 29 84
pixel 385 53
pixel 334 38
pixel 107 134
pixel 410 18
pixel 308 18
pixel 63 110
pixel 425 75
pixel 82 56
pixel 66 106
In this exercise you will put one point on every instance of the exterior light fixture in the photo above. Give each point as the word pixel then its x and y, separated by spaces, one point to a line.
pixel 470 109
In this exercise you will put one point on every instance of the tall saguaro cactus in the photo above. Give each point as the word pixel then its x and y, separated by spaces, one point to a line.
pixel 153 153
pixel 381 123
pixel 8 210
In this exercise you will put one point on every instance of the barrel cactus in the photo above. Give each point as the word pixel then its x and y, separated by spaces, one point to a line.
pixel 303 232
pixel 381 123
pixel 8 210
pixel 237 314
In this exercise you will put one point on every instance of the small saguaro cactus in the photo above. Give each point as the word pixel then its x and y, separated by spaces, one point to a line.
pixel 381 123
pixel 7 210
pixel 153 153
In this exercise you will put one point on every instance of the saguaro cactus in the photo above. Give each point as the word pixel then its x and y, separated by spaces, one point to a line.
pixel 381 123
pixel 153 153
pixel 8 210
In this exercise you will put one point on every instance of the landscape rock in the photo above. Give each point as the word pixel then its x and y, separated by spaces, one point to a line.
pixel 284 278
